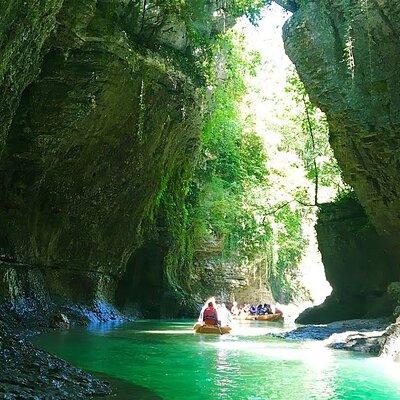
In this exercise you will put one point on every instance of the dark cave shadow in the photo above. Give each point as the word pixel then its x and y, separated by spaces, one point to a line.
pixel 125 390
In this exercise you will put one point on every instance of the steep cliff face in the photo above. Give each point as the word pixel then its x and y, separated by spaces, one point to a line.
pixel 347 54
pixel 89 144
pixel 358 265
pixel 24 31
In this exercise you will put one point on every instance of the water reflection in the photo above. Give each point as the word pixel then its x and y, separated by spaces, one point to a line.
pixel 172 362
pixel 320 370
pixel 97 327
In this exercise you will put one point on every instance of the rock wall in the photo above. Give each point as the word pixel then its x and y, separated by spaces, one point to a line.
pixel 100 114
pixel 358 265
pixel 347 53
pixel 24 32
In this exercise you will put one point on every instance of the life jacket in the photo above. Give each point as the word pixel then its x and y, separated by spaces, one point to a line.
pixel 210 316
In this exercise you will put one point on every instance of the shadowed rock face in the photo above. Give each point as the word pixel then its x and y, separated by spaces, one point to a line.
pixel 97 137
pixel 143 289
pixel 347 55
pixel 358 265
pixel 25 28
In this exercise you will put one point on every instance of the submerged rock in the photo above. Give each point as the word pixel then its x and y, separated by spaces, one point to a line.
pixel 60 321
pixel 27 373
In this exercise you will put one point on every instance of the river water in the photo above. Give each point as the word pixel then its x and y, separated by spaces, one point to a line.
pixel 165 360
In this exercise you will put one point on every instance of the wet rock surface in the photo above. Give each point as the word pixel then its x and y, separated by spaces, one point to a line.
pixel 366 343
pixel 391 343
pixel 125 390
pixel 77 145
pixel 347 55
pixel 60 321
pixel 323 332
pixel 383 343
pixel 29 373
pixel 371 336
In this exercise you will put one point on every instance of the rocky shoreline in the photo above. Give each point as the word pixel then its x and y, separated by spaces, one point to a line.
pixel 371 336
pixel 29 373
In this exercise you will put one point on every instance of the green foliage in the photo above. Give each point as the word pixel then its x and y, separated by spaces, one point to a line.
pixel 241 212
pixel 216 210
pixel 232 161
pixel 229 204
pixel 345 194
pixel 311 142
pixel 250 8
pixel 201 20
pixel 291 243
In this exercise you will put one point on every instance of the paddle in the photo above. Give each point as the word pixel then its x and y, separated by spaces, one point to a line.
pixel 219 328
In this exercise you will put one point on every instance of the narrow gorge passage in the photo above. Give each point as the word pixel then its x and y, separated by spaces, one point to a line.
pixel 157 153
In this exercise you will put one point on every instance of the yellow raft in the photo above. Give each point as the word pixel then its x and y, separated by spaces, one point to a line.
pixel 270 317
pixel 216 330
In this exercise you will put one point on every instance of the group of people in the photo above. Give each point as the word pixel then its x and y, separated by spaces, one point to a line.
pixel 247 309
pixel 218 314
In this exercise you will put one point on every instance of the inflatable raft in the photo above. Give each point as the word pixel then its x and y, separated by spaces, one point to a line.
pixel 216 330
pixel 270 317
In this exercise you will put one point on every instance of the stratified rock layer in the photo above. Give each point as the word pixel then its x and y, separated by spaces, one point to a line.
pixel 347 54
pixel 358 266
pixel 25 28
pixel 97 137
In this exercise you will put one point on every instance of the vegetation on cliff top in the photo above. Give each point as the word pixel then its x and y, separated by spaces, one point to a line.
pixel 242 218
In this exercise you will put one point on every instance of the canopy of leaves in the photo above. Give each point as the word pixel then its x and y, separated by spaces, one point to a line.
pixel 232 160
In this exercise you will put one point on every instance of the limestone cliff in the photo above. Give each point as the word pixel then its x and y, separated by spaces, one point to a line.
pixel 358 265
pixel 347 54
pixel 101 112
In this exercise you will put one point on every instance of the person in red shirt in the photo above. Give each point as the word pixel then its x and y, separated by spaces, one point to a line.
pixel 210 315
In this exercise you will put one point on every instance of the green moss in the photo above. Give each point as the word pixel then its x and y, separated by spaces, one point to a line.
pixel 25 28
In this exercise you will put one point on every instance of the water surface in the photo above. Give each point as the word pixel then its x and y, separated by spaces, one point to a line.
pixel 165 360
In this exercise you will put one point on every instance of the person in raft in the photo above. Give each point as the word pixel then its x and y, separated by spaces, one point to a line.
pixel 212 300
pixel 268 309
pixel 210 315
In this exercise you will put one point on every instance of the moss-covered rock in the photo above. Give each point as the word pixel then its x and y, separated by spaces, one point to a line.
pixel 24 30
pixel 347 54
pixel 93 145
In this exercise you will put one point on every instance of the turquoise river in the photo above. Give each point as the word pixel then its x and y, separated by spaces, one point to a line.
pixel 165 360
